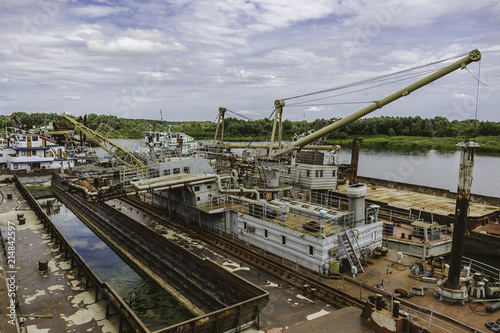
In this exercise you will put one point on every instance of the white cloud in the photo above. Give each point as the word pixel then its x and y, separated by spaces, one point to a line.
pixel 315 109
pixel 130 47
pixel 461 96
pixel 94 11
pixel 144 33
pixel 72 98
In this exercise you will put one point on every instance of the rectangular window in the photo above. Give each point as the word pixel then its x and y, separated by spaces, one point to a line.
pixel 334 173
pixel 317 173
pixel 311 250
pixel 283 240
pixel 177 170
pixel 196 188
pixel 209 187
pixel 186 169
pixel 244 225
pixel 308 173
pixel 166 172
pixel 198 198
pixel 265 233
pixel 23 152
pixel 15 166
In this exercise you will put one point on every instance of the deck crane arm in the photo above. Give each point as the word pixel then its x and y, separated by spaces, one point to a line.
pixel 473 56
pixel 112 148
pixel 18 123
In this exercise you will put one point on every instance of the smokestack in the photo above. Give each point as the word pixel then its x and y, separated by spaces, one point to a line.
pixel 461 210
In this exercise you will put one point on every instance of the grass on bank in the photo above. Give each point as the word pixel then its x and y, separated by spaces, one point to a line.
pixel 487 143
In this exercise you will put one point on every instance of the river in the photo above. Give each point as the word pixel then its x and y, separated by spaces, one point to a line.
pixel 152 304
pixel 429 168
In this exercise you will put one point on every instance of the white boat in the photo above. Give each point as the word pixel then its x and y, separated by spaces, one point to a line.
pixel 157 145
pixel 34 153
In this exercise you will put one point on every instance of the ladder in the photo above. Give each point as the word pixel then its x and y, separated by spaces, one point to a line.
pixel 350 251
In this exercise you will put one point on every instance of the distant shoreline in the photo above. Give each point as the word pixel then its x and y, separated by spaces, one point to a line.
pixel 488 144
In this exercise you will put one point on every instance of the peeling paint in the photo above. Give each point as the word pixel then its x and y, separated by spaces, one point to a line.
pixel 56 287
pixel 317 315
pixel 299 296
pixel 34 328
pixel 85 298
pixel 80 317
pixel 38 293
pixel 98 311
pixel 237 267
pixel 76 285
pixel 271 284
pixel 64 265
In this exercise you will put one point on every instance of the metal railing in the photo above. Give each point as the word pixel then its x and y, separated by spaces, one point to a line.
pixel 484 269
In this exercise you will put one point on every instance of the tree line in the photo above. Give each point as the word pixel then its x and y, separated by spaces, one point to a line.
pixel 239 129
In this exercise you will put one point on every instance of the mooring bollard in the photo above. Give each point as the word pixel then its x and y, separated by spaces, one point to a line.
pixel 43 265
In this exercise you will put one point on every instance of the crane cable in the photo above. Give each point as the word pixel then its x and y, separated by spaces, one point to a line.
pixel 260 131
pixel 362 89
pixel 209 128
pixel 242 116
pixel 366 81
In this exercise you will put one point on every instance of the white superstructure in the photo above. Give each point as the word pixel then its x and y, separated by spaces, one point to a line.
pixel 33 152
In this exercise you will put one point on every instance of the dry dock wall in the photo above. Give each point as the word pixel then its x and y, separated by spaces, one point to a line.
pixel 204 283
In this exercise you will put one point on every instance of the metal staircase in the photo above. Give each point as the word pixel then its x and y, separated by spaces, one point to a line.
pixel 352 256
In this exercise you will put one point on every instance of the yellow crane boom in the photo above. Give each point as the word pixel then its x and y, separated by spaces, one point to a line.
pixel 474 55
pixel 121 154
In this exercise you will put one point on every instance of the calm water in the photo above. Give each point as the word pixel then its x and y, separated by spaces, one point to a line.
pixel 154 306
pixel 429 168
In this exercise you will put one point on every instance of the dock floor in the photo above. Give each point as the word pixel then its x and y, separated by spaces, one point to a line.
pixel 53 300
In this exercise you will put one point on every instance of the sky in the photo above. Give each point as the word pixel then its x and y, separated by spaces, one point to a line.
pixel 182 60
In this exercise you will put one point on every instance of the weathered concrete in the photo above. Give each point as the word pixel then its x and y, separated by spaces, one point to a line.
pixel 54 300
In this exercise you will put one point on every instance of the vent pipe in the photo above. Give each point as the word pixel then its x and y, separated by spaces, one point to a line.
pixel 356 194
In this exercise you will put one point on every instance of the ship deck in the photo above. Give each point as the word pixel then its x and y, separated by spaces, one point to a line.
pixel 414 201
pixel 307 224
